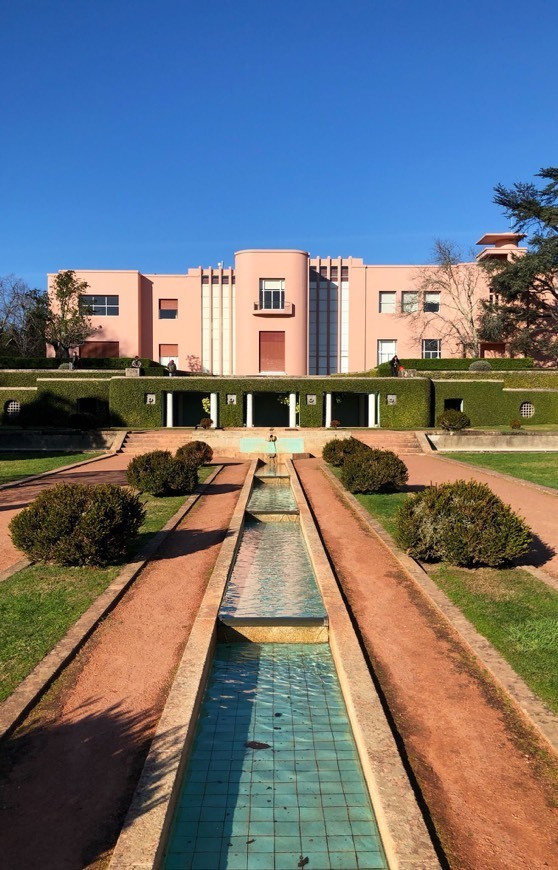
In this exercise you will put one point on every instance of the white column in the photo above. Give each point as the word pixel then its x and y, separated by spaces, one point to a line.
pixel 372 421
pixel 292 410
pixel 213 409
pixel 328 410
pixel 249 410
pixel 170 417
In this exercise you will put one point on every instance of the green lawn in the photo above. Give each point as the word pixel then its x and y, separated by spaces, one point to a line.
pixel 516 612
pixel 39 604
pixel 539 468
pixel 14 466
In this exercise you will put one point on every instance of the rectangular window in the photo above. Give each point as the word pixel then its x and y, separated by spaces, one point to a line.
pixel 100 306
pixel 431 302
pixel 431 348
pixel 387 303
pixel 387 348
pixel 168 309
pixel 168 352
pixel 409 302
pixel 272 294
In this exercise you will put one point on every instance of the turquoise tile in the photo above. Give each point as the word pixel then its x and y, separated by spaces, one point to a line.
pixel 287 844
pixel 235 860
pixel 261 814
pixel 313 813
pixel 204 860
pixel 264 829
pixel 309 844
pixel 343 861
pixel 335 813
pixel 371 861
pixel 260 861
pixel 318 860
pixel 340 843
pixel 178 862
pixel 261 844
pixel 312 829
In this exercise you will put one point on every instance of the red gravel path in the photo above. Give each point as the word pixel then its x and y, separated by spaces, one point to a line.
pixel 69 772
pixel 538 508
pixel 491 807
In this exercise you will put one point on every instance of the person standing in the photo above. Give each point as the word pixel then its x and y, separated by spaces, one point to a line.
pixel 171 368
pixel 394 363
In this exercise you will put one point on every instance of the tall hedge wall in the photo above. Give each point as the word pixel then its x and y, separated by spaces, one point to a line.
pixel 57 398
pixel 42 363
pixel 490 403
pixel 23 396
pixel 412 410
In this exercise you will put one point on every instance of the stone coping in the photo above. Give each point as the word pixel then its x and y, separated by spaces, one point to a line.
pixel 14 708
pixel 402 828
pixel 526 703
pixel 142 841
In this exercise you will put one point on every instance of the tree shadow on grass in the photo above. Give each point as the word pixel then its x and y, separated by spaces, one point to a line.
pixel 66 784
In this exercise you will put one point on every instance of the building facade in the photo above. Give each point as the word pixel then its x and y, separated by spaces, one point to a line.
pixel 278 312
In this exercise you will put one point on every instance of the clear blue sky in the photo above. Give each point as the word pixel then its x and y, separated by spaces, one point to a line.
pixel 162 135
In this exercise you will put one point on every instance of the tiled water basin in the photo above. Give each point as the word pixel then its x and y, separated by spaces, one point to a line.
pixel 274 780
pixel 272 575
pixel 273 497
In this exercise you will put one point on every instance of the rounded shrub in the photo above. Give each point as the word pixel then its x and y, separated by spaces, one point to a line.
pixel 195 452
pixel 480 365
pixel 463 523
pixel 159 473
pixel 374 471
pixel 77 524
pixel 336 451
pixel 453 420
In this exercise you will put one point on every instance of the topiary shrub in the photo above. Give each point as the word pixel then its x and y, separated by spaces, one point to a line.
pixel 195 452
pixel 374 471
pixel 206 422
pixel 453 421
pixel 77 524
pixel 159 473
pixel 335 424
pixel 336 451
pixel 463 523
pixel 480 365
pixel 516 424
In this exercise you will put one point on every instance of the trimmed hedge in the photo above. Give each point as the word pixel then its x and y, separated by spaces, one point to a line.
pixel 57 401
pixel 78 524
pixel 463 523
pixel 455 365
pixel 195 453
pixel 337 451
pixel 374 470
pixel 488 403
pixel 17 362
pixel 160 473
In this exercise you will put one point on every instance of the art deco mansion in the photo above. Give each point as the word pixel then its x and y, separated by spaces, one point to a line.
pixel 275 312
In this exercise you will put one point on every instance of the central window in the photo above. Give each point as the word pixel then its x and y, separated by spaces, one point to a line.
pixel 272 294
pixel 101 306
pixel 431 348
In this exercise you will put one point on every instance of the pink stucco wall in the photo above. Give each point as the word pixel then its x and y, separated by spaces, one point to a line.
pixel 250 267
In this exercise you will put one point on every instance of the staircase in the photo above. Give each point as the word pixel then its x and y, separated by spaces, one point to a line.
pixel 386 439
pixel 136 443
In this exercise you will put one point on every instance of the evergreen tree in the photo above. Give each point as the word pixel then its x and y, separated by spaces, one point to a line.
pixel 524 310
pixel 68 322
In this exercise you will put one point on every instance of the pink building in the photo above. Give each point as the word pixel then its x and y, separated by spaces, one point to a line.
pixel 277 312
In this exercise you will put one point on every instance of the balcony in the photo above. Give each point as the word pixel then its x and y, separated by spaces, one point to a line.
pixel 287 310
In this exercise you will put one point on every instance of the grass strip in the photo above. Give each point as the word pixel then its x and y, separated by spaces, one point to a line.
pixel 15 466
pixel 39 604
pixel 517 613
pixel 541 468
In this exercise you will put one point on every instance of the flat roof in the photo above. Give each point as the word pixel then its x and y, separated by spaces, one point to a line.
pixel 493 238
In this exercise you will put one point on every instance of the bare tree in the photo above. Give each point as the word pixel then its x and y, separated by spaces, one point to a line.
pixel 22 317
pixel 455 317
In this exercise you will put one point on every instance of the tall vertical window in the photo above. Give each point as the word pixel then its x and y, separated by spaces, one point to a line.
pixel 100 306
pixel 272 294
pixel 431 348
pixel 409 302
pixel 431 302
pixel 387 348
pixel 387 303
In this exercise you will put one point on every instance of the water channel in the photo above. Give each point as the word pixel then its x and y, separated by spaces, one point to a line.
pixel 274 779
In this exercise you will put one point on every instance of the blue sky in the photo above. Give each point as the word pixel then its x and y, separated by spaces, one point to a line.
pixel 158 136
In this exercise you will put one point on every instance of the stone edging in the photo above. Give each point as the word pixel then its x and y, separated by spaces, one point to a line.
pixel 537 714
pixel 142 838
pixel 404 835
pixel 18 704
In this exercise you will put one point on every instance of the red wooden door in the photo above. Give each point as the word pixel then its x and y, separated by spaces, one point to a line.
pixel 272 351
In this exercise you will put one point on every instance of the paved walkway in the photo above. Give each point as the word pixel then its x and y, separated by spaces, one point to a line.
pixel 67 775
pixel 538 508
pixel 484 782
